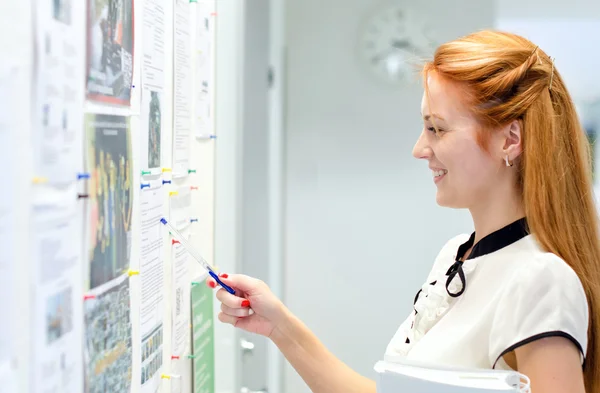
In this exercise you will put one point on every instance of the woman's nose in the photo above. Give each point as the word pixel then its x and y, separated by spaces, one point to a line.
pixel 421 148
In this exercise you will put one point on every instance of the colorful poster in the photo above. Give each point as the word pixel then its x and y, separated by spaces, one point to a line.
pixel 110 196
pixel 110 51
pixel 203 345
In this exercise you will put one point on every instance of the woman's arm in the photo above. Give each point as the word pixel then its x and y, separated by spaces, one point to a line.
pixel 553 365
pixel 319 368
pixel 255 309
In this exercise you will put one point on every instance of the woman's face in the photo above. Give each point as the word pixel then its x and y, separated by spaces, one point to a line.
pixel 463 172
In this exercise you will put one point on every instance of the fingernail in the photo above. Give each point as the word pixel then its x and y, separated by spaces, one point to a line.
pixel 224 275
pixel 250 312
pixel 212 284
pixel 246 303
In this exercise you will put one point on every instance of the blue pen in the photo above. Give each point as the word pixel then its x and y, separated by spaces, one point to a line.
pixel 196 255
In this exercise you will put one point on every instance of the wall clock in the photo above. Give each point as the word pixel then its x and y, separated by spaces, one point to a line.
pixel 393 41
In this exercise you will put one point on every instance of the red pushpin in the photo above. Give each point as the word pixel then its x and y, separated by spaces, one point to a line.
pixel 173 242
pixel 88 297
pixel 174 357
pixel 193 188
pixel 213 14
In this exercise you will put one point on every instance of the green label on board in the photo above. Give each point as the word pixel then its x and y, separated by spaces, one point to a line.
pixel 203 345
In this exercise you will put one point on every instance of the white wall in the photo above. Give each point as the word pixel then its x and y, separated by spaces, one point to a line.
pixel 362 227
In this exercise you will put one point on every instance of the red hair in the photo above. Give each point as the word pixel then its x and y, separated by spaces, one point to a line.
pixel 508 78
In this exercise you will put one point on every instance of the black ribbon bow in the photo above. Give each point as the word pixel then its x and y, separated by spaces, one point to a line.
pixel 456 269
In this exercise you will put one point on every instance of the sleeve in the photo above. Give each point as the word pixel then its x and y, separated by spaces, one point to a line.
pixel 544 298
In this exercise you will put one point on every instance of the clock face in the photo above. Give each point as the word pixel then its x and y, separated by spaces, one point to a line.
pixel 392 41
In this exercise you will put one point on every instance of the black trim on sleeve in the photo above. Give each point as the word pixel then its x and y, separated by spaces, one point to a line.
pixel 556 333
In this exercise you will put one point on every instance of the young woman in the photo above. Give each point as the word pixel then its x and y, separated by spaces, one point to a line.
pixel 503 140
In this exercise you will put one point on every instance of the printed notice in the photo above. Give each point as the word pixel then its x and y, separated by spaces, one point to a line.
pixel 182 105
pixel 180 207
pixel 180 295
pixel 59 97
pixel 152 278
pixel 58 294
pixel 153 66
pixel 204 67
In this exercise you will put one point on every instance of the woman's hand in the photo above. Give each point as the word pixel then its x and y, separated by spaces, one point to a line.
pixel 253 308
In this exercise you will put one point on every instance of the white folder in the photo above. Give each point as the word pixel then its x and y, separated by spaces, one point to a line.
pixel 402 376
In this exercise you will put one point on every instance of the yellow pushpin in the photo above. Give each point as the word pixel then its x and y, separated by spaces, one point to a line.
pixel 166 170
pixel 40 180
pixel 165 376
pixel 133 273
pixel 172 193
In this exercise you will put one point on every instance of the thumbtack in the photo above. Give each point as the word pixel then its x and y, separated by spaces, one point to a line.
pixel 207 136
pixel 193 220
pixel 146 173
pixel 142 186
pixel 166 170
pixel 164 376
pixel 88 297
pixel 213 14
pixel 194 283
pixel 173 242
pixel 173 357
pixel 173 193
pixel 82 196
pixel 40 180
pixel 191 356
pixel 133 273
pixel 193 188
pixel 83 176
pixel 166 181
pixel 191 171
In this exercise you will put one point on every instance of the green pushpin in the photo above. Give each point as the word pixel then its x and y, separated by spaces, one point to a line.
pixel 191 356
pixel 191 171
pixel 146 173
pixel 194 283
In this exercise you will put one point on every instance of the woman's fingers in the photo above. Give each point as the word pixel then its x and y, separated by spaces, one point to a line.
pixel 227 318
pixel 231 300
pixel 236 312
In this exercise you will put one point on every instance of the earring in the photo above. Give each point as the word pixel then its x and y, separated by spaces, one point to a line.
pixel 508 164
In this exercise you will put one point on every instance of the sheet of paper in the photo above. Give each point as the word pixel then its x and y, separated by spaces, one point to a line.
pixel 153 66
pixel 57 295
pixel 204 67
pixel 182 95
pixel 59 97
pixel 110 50
pixel 180 305
pixel 180 206
pixel 152 283
pixel 7 377
pixel 203 345
pixel 110 196
pixel 11 79
pixel 107 351
pixel 151 129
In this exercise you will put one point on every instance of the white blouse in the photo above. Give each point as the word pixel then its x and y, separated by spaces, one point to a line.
pixel 512 293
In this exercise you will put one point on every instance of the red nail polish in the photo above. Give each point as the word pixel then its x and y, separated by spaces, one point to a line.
pixel 246 303
pixel 212 284
pixel 224 275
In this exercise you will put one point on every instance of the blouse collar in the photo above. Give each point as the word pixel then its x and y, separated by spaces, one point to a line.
pixel 495 241
pixel 491 243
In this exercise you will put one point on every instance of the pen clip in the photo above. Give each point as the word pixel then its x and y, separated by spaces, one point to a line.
pixel 225 286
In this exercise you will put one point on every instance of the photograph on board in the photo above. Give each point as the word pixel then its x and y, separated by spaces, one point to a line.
pixel 110 196
pixel 110 44
pixel 61 10
pixel 107 345
pixel 151 117
pixel 59 315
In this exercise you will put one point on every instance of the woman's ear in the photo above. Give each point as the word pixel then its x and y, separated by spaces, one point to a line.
pixel 513 146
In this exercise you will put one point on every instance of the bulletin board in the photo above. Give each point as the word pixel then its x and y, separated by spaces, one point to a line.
pixel 106 127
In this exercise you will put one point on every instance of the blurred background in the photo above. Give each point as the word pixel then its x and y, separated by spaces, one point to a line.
pixel 318 193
